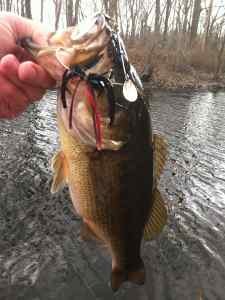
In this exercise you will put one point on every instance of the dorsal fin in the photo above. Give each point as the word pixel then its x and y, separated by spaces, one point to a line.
pixel 160 155
pixel 157 219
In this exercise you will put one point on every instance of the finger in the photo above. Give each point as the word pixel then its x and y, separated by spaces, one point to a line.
pixel 30 28
pixel 23 27
pixel 12 100
pixel 35 75
pixel 22 54
pixel 9 67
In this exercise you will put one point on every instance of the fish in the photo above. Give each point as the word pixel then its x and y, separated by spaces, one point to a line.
pixel 108 157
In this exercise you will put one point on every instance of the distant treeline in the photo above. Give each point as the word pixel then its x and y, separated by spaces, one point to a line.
pixel 162 24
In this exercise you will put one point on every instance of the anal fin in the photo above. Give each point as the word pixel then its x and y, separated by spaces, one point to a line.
pixel 86 233
pixel 60 171
pixel 158 217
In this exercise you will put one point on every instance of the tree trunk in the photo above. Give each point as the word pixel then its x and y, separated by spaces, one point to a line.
pixel 28 9
pixel 111 8
pixel 187 5
pixel 157 16
pixel 178 20
pixel 119 20
pixel 195 20
pixel 220 59
pixel 23 8
pixel 69 12
pixel 18 5
pixel 72 12
pixel 58 6
pixel 8 5
pixel 144 25
pixel 173 22
pixel 168 10
pixel 207 27
pixel 133 18
pixel 42 11
pixel 76 12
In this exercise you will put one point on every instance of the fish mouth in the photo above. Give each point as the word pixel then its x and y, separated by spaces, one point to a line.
pixel 77 45
pixel 91 52
pixel 34 49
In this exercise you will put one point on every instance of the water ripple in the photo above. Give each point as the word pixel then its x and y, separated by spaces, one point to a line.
pixel 41 255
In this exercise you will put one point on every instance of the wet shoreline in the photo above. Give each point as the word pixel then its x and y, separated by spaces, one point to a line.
pixel 151 87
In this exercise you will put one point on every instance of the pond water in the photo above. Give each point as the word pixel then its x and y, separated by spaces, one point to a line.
pixel 41 254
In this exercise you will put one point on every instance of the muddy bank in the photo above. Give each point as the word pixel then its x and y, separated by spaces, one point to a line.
pixel 176 81
pixel 170 70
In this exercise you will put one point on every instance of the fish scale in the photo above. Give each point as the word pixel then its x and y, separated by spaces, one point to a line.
pixel 83 179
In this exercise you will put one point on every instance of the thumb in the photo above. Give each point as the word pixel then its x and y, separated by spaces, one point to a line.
pixel 33 74
pixel 22 27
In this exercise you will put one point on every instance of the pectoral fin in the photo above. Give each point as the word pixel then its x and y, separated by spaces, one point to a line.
pixel 60 171
pixel 160 155
pixel 157 219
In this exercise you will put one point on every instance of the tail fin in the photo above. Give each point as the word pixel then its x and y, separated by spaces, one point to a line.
pixel 117 278
pixel 120 276
pixel 137 276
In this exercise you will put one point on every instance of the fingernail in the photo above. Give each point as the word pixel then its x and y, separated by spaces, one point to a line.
pixel 32 72
pixel 27 72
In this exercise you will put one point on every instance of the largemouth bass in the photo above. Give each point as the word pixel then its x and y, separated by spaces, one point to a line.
pixel 108 157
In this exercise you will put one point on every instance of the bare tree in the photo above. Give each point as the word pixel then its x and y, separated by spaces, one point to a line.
pixel 58 7
pixel 144 27
pixel 72 12
pixel 133 16
pixel 195 20
pixel 9 5
pixel 42 11
pixel 178 19
pixel 207 23
pixel 69 12
pixel 186 9
pixel 220 59
pixel 23 8
pixel 168 10
pixel 111 8
pixel 1 5
pixel 157 16
pixel 76 11
pixel 18 7
pixel 28 9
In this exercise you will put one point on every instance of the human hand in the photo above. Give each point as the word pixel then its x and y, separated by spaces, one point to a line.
pixel 22 81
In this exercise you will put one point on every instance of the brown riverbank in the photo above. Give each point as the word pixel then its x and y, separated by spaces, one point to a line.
pixel 173 69
pixel 173 80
